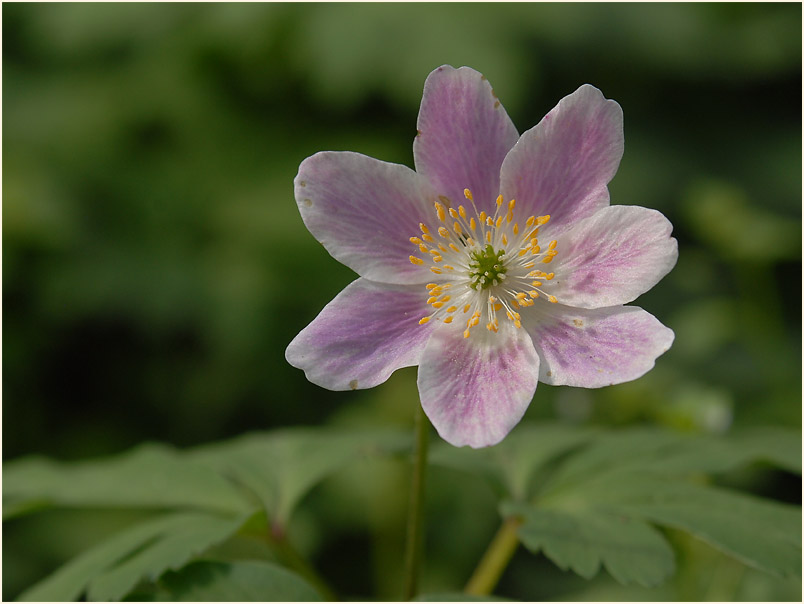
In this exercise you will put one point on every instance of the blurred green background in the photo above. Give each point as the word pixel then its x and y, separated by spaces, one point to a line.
pixel 155 266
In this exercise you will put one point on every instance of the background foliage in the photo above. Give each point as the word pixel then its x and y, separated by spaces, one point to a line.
pixel 155 266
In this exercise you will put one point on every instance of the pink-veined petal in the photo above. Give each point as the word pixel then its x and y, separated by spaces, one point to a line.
pixel 599 347
pixel 463 136
pixel 612 257
pixel 562 165
pixel 364 212
pixel 367 332
pixel 476 389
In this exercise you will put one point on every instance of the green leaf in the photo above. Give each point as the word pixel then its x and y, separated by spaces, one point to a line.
pixel 631 550
pixel 186 537
pixel 761 533
pixel 279 468
pixel 512 465
pixel 597 506
pixel 208 581
pixel 69 581
pixel 147 476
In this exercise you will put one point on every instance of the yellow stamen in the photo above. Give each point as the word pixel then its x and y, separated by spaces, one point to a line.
pixel 415 260
pixel 553 299
pixel 468 194
pixel 462 211
pixel 424 320
pixel 499 200
pixel 472 224
pixel 448 319
pixel 440 211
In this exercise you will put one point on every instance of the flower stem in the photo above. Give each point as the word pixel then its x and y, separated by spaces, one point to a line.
pixel 495 559
pixel 413 542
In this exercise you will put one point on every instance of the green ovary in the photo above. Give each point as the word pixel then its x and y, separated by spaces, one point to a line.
pixel 486 268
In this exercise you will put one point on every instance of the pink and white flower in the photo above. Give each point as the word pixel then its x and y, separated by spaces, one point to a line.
pixel 497 264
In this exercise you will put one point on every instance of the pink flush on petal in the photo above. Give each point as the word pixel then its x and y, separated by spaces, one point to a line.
pixel 496 264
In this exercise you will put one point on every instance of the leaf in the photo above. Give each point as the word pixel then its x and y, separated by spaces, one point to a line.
pixel 631 550
pixel 513 463
pixel 184 538
pixel 761 533
pixel 598 505
pixel 68 582
pixel 244 581
pixel 279 468
pixel 147 476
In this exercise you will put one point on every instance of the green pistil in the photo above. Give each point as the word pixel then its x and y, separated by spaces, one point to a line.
pixel 486 268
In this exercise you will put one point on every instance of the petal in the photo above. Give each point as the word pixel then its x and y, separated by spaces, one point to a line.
pixel 365 334
pixel 612 257
pixel 463 136
pixel 364 211
pixel 562 165
pixel 598 347
pixel 476 389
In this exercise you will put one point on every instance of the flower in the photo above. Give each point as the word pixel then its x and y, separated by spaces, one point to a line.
pixel 497 264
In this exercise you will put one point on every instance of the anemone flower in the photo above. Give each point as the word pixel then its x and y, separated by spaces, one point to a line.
pixel 497 264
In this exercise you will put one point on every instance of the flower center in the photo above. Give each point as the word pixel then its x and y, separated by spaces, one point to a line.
pixel 484 264
pixel 486 267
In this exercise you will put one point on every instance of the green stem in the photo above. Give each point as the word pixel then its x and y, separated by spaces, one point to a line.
pixel 413 542
pixel 495 559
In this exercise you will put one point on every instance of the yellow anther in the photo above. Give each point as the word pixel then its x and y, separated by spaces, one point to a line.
pixel 432 299
pixel 423 248
pixel 535 250
pixel 438 258
pixel 516 228
pixel 445 298
pixel 442 248
pixel 490 326
pixel 547 260
pixel 489 221
pixel 523 251
pixel 537 283
pixel 448 319
pixel 467 307
pixel 457 228
pixel 499 200
pixel 415 240
pixel 440 211
pixel 499 221
pixel 509 217
pixel 434 252
pixel 514 303
pixel 543 219
pixel 452 309
pixel 529 222
pixel 415 260
pixel 521 296
pixel 552 299
pixel 466 334
pixel 453 213
pixel 423 228
pixel 431 285
pixel 517 323
pixel 428 237
pixel 510 316
pixel 462 211
pixel 468 194
pixel 517 316
pixel 497 307
pixel 553 244
pixel 549 276
pixel 472 223
pixel 423 320
pixel 454 247
pixel 475 321
pixel 482 217
pixel 437 304
pixel 504 239
pixel 534 294
pixel 443 232
pixel 437 271
pixel 488 235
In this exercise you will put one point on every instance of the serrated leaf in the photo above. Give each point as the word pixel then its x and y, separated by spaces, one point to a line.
pixel 69 581
pixel 208 581
pixel 630 549
pixel 280 467
pixel 183 539
pixel 761 533
pixel 512 464
pixel 147 476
